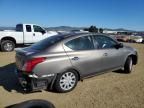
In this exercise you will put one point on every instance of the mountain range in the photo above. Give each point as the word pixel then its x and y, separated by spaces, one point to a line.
pixel 68 28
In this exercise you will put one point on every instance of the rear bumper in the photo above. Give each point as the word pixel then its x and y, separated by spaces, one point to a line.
pixel 30 82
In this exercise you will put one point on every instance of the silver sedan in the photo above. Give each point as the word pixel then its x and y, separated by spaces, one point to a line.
pixel 60 61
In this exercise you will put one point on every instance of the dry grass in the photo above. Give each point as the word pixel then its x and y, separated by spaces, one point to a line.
pixel 110 90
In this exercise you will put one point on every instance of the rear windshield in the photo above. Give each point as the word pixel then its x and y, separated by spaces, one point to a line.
pixel 42 45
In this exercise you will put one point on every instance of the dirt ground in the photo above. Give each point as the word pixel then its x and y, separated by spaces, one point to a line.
pixel 110 90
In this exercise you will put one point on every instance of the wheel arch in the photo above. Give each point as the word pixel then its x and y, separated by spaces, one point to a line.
pixel 9 38
pixel 134 58
pixel 64 70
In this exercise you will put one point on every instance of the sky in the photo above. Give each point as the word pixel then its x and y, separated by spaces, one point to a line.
pixel 128 14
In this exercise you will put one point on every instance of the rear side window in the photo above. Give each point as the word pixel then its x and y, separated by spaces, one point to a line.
pixel 28 28
pixel 19 28
pixel 81 43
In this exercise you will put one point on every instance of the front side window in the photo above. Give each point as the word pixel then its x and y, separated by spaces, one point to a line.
pixel 103 42
pixel 28 28
pixel 81 43
pixel 37 29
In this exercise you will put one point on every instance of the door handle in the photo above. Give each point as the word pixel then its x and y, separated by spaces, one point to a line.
pixel 105 54
pixel 33 34
pixel 75 58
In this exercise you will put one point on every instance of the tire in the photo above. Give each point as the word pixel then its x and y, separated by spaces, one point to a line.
pixel 7 45
pixel 128 65
pixel 33 104
pixel 66 81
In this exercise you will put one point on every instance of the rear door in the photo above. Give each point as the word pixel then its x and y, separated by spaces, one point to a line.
pixel 111 57
pixel 83 56
pixel 28 34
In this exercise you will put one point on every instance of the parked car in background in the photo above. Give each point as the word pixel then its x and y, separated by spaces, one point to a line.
pixel 137 39
pixel 23 34
pixel 123 38
pixel 60 61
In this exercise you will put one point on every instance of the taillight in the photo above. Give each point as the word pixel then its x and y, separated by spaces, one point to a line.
pixel 30 64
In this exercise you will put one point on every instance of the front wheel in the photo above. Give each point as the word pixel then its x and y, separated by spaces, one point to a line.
pixel 128 65
pixel 7 45
pixel 66 81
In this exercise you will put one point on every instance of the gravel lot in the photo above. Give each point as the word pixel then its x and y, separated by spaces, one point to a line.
pixel 110 90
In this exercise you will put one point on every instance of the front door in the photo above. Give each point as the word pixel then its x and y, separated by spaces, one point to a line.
pixel 111 57
pixel 38 33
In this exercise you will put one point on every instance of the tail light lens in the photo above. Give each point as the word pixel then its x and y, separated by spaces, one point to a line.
pixel 30 64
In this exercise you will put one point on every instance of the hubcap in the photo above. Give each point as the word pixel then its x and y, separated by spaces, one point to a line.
pixel 67 81
pixel 130 64
pixel 8 46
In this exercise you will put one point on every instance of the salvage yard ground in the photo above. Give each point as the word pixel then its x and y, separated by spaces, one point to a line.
pixel 110 90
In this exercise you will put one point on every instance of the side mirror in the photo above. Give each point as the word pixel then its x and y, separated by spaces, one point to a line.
pixel 119 45
pixel 43 32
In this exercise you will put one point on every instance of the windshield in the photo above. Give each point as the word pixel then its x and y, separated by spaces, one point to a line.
pixel 47 42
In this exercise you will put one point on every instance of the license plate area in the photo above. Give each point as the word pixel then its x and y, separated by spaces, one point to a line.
pixel 19 61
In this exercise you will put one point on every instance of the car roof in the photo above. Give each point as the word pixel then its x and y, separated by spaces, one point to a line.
pixel 79 34
pixel 75 34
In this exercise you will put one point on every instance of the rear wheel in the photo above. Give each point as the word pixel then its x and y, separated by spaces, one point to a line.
pixel 7 45
pixel 66 81
pixel 128 65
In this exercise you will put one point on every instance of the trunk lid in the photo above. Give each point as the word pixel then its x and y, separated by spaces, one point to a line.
pixel 22 55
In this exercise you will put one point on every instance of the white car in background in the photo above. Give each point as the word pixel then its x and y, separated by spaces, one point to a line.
pixel 23 34
pixel 137 39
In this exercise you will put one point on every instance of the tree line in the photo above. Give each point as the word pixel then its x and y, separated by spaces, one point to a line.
pixel 94 29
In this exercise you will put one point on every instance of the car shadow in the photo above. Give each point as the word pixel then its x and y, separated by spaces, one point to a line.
pixel 119 72
pixel 8 78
